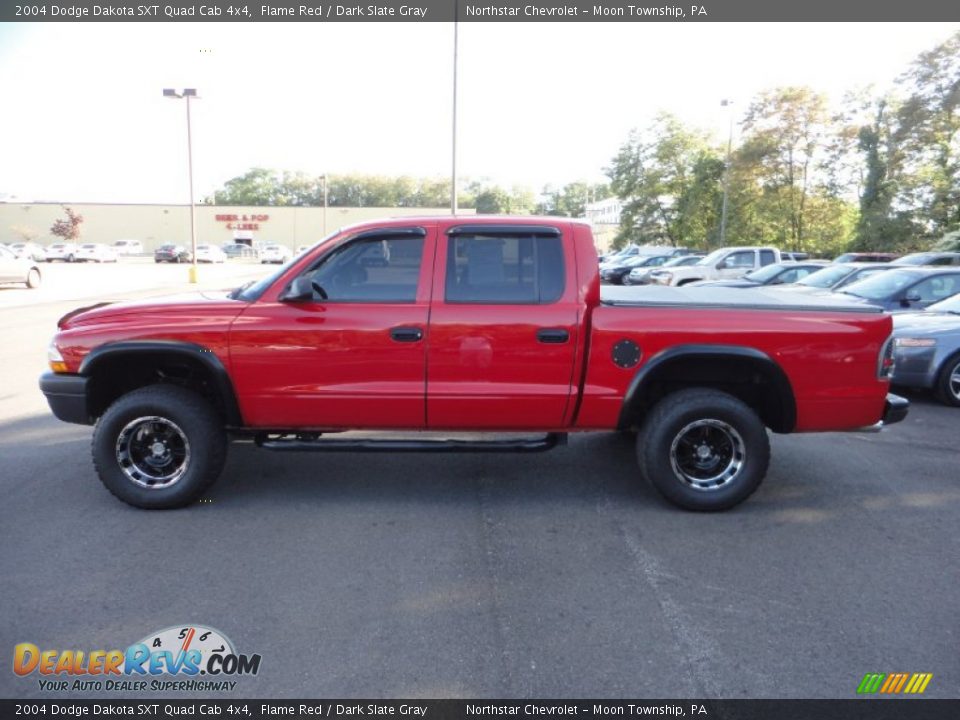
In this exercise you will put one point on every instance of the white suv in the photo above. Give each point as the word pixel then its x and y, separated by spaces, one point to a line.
pixel 722 264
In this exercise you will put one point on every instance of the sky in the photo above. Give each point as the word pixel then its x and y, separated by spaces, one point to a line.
pixel 84 119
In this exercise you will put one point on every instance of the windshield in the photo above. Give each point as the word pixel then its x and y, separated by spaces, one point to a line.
pixel 917 259
pixel 950 305
pixel 764 274
pixel 882 286
pixel 714 257
pixel 251 291
pixel 828 277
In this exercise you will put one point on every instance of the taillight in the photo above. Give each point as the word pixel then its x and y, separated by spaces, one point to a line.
pixel 886 363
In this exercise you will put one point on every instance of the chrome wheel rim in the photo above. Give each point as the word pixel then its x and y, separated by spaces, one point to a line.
pixel 954 381
pixel 153 452
pixel 707 454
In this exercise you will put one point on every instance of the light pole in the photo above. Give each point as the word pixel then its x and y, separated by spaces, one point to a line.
pixel 726 175
pixel 453 171
pixel 189 94
pixel 324 178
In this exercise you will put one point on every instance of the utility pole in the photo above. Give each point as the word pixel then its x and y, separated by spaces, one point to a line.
pixel 453 170
pixel 726 176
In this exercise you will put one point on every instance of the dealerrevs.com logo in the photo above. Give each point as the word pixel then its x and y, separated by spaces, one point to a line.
pixel 182 657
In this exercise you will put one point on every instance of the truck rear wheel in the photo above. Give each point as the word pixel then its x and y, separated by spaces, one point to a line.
pixel 159 447
pixel 703 449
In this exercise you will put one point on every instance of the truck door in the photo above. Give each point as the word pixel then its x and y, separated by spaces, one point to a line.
pixel 503 328
pixel 737 264
pixel 353 355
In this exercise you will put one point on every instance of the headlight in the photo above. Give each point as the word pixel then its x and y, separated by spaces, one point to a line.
pixel 55 359
pixel 909 342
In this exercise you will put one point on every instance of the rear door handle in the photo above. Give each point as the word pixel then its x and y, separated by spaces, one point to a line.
pixel 552 336
pixel 406 334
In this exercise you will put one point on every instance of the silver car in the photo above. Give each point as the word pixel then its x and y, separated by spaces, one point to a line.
pixel 926 349
pixel 18 270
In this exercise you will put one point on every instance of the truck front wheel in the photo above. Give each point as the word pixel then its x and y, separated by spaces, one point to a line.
pixel 159 447
pixel 703 449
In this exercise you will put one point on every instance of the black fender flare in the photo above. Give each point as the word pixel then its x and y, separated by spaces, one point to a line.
pixel 206 357
pixel 648 372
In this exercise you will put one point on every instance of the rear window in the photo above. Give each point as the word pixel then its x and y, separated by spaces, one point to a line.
pixel 504 269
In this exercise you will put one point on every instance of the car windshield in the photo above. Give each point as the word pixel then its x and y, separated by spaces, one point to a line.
pixel 917 259
pixel 89 247
pixel 950 305
pixel 828 277
pixel 764 274
pixel 251 291
pixel 167 247
pixel 881 286
pixel 714 257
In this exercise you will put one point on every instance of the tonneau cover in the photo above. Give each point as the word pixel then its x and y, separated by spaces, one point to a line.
pixel 760 298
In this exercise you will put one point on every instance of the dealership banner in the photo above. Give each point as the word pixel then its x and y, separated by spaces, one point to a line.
pixel 462 709
pixel 494 11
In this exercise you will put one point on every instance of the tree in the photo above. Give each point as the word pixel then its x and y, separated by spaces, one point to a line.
pixel 69 228
pixel 25 232
pixel 494 200
pixel 572 199
pixel 664 175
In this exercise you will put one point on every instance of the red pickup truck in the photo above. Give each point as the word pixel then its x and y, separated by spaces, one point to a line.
pixel 464 324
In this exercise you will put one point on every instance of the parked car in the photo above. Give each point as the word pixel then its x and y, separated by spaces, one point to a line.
pixel 96 252
pixel 641 275
pixel 128 247
pixel 838 275
pixel 275 254
pixel 874 257
pixel 782 273
pixel 172 254
pixel 28 251
pixel 239 250
pixel 646 264
pixel 615 272
pixel 476 324
pixel 907 288
pixel 926 349
pixel 633 250
pixel 722 264
pixel 15 269
pixel 64 252
pixel 210 254
pixel 930 258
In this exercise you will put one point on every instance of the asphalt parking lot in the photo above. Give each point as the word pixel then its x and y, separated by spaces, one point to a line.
pixel 552 575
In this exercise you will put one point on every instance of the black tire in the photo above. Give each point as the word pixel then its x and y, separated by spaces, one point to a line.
pixel 726 428
pixel 686 282
pixel 947 389
pixel 33 278
pixel 194 430
pixel 71 258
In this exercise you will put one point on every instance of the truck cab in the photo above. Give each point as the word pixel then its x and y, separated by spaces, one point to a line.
pixel 723 264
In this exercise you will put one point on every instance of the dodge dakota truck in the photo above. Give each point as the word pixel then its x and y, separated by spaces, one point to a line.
pixel 481 325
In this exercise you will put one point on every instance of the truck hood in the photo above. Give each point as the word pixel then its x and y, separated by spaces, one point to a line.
pixel 925 323
pixel 185 303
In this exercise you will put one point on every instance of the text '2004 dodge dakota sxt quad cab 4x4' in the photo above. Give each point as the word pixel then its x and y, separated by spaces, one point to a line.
pixel 479 324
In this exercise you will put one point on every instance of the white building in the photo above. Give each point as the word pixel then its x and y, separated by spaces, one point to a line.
pixel 604 212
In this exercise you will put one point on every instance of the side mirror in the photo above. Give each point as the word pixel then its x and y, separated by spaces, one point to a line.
pixel 300 290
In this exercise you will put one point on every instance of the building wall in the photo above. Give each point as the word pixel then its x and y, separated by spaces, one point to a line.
pixel 155 225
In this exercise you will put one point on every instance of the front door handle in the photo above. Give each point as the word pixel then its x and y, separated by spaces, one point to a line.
pixel 407 334
pixel 552 336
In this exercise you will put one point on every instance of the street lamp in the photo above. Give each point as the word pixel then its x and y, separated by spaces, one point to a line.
pixel 453 170
pixel 189 94
pixel 324 178
pixel 726 175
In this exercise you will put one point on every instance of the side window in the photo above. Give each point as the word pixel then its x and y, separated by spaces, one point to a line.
pixel 790 276
pixel 504 269
pixel 767 257
pixel 371 270
pixel 740 259
pixel 934 289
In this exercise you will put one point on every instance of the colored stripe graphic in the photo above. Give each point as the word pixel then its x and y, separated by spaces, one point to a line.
pixel 894 683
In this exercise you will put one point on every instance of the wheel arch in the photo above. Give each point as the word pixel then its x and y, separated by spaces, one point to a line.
pixel 131 364
pixel 744 372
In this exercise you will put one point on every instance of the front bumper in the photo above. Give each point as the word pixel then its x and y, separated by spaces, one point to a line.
pixel 895 409
pixel 67 397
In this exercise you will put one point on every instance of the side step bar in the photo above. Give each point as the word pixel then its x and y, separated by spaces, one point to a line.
pixel 520 445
